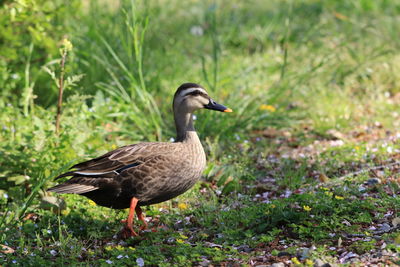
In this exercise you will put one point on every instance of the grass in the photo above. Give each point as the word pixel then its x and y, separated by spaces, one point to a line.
pixel 315 93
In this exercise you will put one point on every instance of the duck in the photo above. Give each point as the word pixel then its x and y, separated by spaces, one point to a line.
pixel 146 173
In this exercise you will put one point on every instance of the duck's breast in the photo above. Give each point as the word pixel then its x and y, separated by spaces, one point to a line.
pixel 170 175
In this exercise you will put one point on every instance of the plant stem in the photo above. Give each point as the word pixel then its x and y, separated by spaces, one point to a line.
pixel 60 92
pixel 28 88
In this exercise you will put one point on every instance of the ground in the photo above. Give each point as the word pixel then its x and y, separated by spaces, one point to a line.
pixel 332 201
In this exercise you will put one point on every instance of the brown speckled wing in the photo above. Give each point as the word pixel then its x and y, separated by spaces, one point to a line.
pixel 115 159
pixel 134 162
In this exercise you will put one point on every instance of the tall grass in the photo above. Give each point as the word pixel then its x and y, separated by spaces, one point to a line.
pixel 133 61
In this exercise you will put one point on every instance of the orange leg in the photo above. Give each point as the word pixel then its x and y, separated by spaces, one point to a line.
pixel 128 230
pixel 141 217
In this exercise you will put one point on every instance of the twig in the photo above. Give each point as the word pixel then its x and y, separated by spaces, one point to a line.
pixel 336 180
pixel 376 234
pixel 391 229
pixel 66 47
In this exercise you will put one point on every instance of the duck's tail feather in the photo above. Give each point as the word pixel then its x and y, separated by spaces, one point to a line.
pixel 68 188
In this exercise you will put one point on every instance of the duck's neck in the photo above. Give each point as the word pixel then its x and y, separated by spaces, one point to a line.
pixel 185 131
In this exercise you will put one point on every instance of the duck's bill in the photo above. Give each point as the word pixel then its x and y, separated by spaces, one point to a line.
pixel 215 106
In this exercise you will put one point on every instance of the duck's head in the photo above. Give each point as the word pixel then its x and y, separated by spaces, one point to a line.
pixel 190 97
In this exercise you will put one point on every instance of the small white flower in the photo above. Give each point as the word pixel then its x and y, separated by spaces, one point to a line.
pixel 120 256
pixel 288 193
pixel 109 261
pixel 194 117
pixel 197 30
pixel 172 139
pixel 140 262
pixel 49 231
pixel 53 252
pixel 14 261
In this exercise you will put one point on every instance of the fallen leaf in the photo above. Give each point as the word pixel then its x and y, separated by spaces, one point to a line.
pixel 323 178
pixel 396 221
pixel 340 16
pixel 31 216
pixel 6 249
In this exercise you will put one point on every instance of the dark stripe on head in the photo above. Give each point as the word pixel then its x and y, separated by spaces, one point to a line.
pixel 186 86
pixel 197 92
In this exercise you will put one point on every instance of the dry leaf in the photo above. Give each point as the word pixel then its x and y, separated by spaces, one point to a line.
pixel 31 216
pixel 396 221
pixel 5 249
pixel 323 178
pixel 339 242
pixel 340 16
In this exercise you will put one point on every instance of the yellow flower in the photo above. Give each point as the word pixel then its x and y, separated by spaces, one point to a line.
pixel 307 208
pixel 324 188
pixel 273 206
pixel 182 206
pixel 295 261
pixel 339 197
pixel 65 212
pixel 204 235
pixel 329 194
pixel 119 247
pixel 183 236
pixel 309 262
pixel 269 108
pixel 91 202
pixel 67 44
pixel 180 241
pixel 113 146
